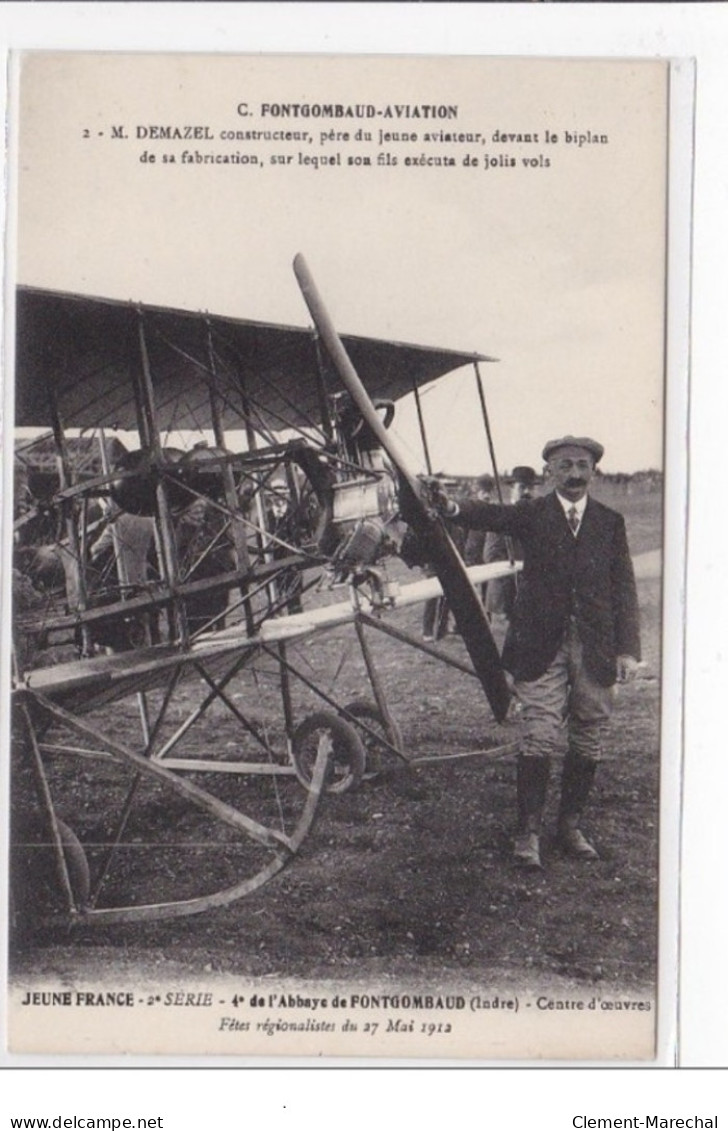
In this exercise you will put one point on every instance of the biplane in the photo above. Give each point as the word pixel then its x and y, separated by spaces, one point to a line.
pixel 206 499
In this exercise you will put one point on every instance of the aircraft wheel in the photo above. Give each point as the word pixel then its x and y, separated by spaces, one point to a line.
pixel 78 870
pixel 376 751
pixel 36 895
pixel 347 755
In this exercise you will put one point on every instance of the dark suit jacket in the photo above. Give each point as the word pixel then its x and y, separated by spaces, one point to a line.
pixel 589 578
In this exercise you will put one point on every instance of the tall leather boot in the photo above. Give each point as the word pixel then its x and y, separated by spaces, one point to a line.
pixel 576 783
pixel 532 777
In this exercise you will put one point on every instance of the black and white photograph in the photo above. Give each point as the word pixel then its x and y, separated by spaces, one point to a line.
pixel 337 551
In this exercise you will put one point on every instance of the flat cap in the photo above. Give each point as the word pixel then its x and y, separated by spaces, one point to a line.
pixel 589 445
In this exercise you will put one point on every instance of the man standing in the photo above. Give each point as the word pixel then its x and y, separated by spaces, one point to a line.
pixel 501 592
pixel 475 540
pixel 573 634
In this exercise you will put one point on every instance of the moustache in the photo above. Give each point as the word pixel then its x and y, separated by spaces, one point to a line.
pixel 575 482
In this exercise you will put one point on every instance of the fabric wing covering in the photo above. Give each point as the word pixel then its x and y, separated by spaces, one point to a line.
pixel 90 352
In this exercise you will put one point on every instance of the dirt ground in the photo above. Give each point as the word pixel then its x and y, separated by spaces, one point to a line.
pixel 405 876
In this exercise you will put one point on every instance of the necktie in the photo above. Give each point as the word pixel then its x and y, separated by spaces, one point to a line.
pixel 573 518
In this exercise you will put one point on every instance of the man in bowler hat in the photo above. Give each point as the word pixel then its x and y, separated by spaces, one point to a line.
pixel 574 633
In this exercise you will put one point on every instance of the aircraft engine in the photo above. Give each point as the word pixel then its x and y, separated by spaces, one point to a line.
pixel 134 489
pixel 186 473
pixel 363 511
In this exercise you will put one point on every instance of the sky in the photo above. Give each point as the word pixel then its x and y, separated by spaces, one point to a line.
pixel 554 266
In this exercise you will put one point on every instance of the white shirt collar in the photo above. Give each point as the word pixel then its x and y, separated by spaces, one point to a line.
pixel 567 505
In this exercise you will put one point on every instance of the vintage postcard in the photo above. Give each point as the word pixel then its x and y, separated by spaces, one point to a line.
pixel 337 557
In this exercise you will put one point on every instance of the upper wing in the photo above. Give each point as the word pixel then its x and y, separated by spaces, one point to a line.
pixel 91 352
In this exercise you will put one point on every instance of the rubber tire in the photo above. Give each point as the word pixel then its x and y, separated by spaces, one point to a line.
pixel 348 754
pixel 79 874
pixel 368 711
pixel 36 897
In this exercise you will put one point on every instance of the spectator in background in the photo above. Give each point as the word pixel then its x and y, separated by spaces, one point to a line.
pixel 204 551
pixel 436 611
pixel 132 536
pixel 123 562
pixel 282 523
pixel 475 539
pixel 501 593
